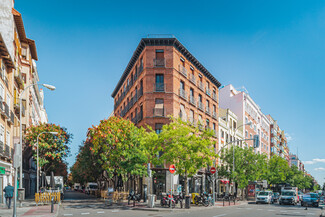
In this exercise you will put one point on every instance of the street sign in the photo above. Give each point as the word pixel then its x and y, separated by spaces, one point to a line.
pixel 172 168
pixel 213 170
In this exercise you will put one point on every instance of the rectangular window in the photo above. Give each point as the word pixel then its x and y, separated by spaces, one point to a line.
pixel 200 97
pixel 191 116
pixel 235 124
pixel 246 134
pixel 159 54
pixel 191 92
pixel 2 92
pixel 159 108
pixel 8 100
pixel 222 134
pixel 8 138
pixel 24 52
pixel 158 128
pixel 182 85
pixel 159 78
pixel 2 134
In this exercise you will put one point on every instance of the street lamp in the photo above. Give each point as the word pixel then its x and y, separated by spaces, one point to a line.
pixel 19 148
pixel 37 167
pixel 233 154
pixel 48 86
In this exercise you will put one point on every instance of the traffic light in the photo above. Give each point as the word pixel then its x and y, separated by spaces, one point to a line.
pixel 256 141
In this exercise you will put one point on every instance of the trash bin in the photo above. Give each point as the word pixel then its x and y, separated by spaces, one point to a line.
pixel 151 200
pixel 187 202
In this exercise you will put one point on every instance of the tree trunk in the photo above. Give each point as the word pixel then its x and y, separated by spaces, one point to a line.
pixel 185 184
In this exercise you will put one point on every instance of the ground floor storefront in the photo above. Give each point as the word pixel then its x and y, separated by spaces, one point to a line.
pixel 6 177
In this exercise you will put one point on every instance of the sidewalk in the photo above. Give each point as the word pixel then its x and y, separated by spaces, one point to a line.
pixel 29 209
pixel 143 206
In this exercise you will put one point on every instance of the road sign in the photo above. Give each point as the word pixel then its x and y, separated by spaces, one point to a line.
pixel 172 168
pixel 213 170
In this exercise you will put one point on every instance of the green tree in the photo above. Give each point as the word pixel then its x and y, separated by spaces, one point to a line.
pixel 120 147
pixel 53 149
pixel 278 170
pixel 185 146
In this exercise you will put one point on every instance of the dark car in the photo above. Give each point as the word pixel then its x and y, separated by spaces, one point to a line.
pixel 310 199
pixel 275 197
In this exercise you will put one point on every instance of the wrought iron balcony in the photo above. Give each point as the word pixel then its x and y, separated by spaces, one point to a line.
pixel 214 115
pixel 214 97
pixel 182 93
pixel 6 82
pixel 7 110
pixel 159 62
pixel 12 118
pixel 160 87
pixel 200 105
pixel 207 110
pixel 134 119
pixel 192 79
pixel 192 100
pixel 7 151
pixel 140 116
pixel 140 69
pixel 140 92
pixel 183 70
pixel 2 153
pixel 200 84
pixel 159 112
pixel 19 78
pixel 208 91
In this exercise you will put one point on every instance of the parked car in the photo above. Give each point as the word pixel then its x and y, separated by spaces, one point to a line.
pixel 91 187
pixel 321 200
pixel 300 194
pixel 310 199
pixel 264 197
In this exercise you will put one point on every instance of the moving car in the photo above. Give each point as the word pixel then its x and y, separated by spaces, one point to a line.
pixel 310 199
pixel 288 197
pixel 264 197
pixel 90 187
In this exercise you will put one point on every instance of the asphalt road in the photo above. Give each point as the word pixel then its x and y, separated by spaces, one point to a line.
pixel 90 207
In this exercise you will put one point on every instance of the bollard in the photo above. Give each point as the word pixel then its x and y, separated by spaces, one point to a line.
pixel 234 201
pixel 52 204
pixel 229 201
pixel 223 201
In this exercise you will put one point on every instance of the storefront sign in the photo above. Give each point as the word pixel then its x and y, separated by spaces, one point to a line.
pixel 2 170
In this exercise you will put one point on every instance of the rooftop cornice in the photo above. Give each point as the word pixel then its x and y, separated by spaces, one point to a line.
pixel 163 42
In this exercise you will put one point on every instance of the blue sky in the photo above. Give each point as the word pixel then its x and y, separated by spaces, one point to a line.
pixel 275 49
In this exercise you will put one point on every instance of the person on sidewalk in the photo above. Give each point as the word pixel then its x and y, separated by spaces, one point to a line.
pixel 9 193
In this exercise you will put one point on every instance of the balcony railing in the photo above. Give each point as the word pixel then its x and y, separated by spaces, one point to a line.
pixel 140 92
pixel 19 77
pixel 192 100
pixel 200 105
pixel 214 115
pixel 1 149
pixel 200 84
pixel 183 70
pixel 192 79
pixel 7 151
pixel 6 82
pixel 159 62
pixel 140 69
pixel 12 153
pixel 207 110
pixel 159 112
pixel 134 119
pixel 214 97
pixel 182 93
pixel 12 118
pixel 140 116
pixel 7 110
pixel 159 87
pixel 208 91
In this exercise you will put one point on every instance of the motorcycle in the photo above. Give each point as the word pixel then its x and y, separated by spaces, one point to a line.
pixel 202 199
pixel 179 199
pixel 133 196
pixel 167 200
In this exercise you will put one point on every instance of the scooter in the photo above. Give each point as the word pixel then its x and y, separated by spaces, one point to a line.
pixel 133 196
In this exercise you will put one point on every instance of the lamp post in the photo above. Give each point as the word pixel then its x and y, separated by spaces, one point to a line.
pixel 233 155
pixel 20 146
pixel 48 86
pixel 37 167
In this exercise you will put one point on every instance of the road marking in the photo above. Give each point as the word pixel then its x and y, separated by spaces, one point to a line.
pixel 309 213
pixel 67 214
pixel 115 210
pixel 220 215
pixel 283 211
pixel 296 212
pixel 271 210
pixel 259 209
pixel 101 212
pixel 248 208
pixel 85 213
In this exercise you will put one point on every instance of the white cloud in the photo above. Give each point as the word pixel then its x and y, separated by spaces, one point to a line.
pixel 319 160
pixel 308 162
pixel 320 168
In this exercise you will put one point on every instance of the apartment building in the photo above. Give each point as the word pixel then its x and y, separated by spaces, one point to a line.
pixel 228 136
pixel 163 78
pixel 7 117
pixel 279 145
pixel 294 160
pixel 240 102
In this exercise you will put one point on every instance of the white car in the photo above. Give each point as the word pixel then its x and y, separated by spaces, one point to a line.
pixel 264 197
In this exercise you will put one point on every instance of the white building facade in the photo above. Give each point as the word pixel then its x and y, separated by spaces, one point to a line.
pixel 246 110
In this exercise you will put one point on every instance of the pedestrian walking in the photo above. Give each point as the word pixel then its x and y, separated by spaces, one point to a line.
pixel 9 193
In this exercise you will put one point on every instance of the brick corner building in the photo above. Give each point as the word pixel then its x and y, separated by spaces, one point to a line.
pixel 163 78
